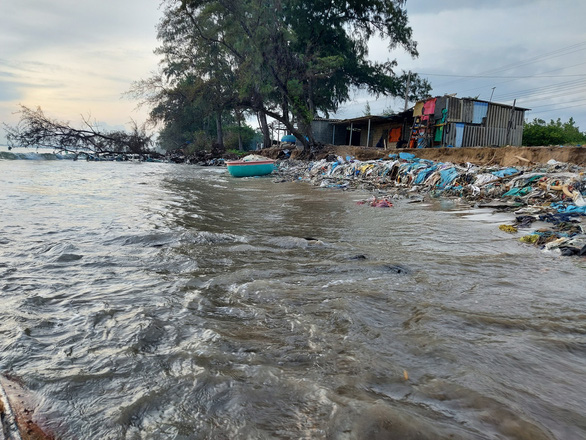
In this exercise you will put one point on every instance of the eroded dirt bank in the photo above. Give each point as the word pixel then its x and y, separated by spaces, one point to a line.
pixel 503 156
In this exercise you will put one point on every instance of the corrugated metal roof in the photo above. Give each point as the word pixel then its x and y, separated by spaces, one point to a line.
pixel 326 119
pixel 472 100
pixel 364 119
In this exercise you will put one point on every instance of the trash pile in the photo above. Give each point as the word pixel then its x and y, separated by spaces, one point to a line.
pixel 383 202
pixel 548 200
pixel 253 158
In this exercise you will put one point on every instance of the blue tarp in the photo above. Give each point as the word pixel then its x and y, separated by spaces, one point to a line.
pixel 424 174
pixel 506 172
pixel 459 134
pixel 569 209
pixel 406 156
pixel 448 176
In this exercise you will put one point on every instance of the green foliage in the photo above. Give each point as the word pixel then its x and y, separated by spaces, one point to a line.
pixel 419 88
pixel 237 152
pixel 200 141
pixel 367 109
pixel 247 136
pixel 538 132
pixel 388 111
pixel 285 59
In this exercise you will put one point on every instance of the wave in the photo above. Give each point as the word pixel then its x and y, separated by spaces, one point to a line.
pixel 7 155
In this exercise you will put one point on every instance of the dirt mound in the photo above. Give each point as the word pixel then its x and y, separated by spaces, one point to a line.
pixel 503 156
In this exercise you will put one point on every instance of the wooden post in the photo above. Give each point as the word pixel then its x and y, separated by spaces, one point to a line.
pixel 509 125
pixel 368 134
pixel 407 91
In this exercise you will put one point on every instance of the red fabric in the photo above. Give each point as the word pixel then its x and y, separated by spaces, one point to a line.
pixel 395 134
pixel 429 106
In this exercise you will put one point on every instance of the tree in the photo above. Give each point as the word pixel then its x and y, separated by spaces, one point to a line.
pixel 37 130
pixel 283 59
pixel 419 88
pixel 367 109
pixel 538 132
pixel 240 138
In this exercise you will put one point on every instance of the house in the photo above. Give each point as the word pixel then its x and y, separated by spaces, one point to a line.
pixel 465 122
pixel 443 121
pixel 366 131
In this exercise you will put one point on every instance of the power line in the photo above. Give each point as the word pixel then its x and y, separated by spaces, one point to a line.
pixel 559 108
pixel 512 80
pixel 503 77
pixel 529 102
pixel 548 55
pixel 553 54
pixel 567 102
pixel 568 85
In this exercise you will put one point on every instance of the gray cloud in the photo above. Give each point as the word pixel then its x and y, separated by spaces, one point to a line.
pixel 434 6
pixel 38 24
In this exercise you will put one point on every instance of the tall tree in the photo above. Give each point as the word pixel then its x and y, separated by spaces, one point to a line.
pixel 197 66
pixel 284 59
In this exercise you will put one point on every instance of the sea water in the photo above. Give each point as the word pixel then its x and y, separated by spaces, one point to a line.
pixel 166 301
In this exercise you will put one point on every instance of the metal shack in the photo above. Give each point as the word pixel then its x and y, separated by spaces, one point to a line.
pixel 365 131
pixel 443 121
pixel 465 122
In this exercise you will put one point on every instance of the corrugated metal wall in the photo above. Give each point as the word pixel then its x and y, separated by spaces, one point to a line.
pixel 467 111
pixel 454 109
pixel 486 124
pixel 322 131
pixel 340 133
pixel 479 135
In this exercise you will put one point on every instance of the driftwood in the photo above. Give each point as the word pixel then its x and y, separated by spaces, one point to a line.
pixel 18 420
pixel 37 130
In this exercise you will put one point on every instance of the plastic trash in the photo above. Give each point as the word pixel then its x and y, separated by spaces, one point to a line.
pixel 510 229
pixel 406 156
pixel 506 172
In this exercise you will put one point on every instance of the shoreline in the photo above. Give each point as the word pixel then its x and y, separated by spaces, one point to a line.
pixel 553 193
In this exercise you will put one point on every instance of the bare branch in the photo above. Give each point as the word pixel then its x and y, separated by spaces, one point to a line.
pixel 37 130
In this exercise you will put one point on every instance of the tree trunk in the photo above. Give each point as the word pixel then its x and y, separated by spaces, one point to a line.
pixel 219 130
pixel 264 126
pixel 310 102
pixel 287 123
pixel 238 117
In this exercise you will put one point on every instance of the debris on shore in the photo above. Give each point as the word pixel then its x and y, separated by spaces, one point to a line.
pixel 551 195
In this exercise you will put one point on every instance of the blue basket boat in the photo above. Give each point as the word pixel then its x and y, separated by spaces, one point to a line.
pixel 240 168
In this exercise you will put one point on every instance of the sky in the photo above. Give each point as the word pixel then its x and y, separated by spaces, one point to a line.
pixel 531 51
pixel 76 58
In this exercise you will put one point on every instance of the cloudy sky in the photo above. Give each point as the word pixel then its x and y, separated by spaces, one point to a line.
pixel 533 51
pixel 76 58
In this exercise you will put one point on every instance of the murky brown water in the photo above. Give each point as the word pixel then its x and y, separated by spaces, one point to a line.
pixel 159 301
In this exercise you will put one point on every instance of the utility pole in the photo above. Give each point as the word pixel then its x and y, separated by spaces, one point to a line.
pixel 490 100
pixel 407 91
pixel 510 124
